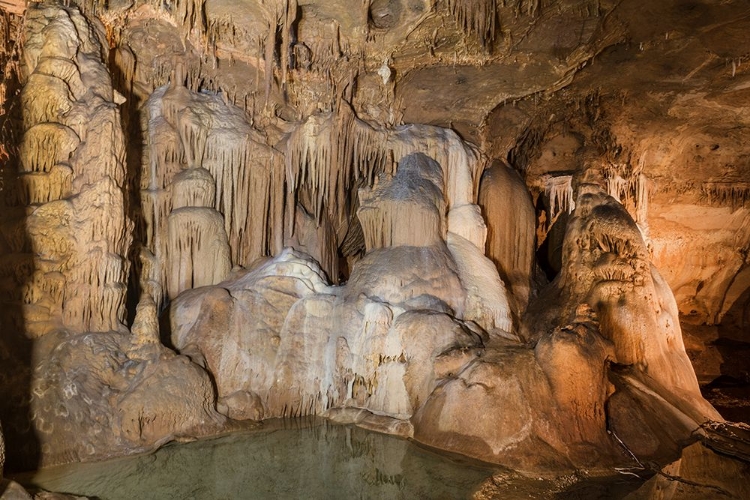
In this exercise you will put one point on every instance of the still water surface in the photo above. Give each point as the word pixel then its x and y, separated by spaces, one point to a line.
pixel 284 460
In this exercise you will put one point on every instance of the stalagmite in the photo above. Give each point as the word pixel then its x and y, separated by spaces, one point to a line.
pixel 487 300
pixel 318 239
pixel 511 222
pixel 83 396
pixel 606 265
pixel 194 187
pixel 73 143
pixel 407 209
pixel 197 248
pixel 145 327
pixel 314 353
pixel 462 169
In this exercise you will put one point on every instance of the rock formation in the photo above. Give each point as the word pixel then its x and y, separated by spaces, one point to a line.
pixel 381 343
pixel 68 247
pixel 512 230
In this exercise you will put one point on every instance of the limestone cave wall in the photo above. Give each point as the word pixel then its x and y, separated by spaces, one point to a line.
pixel 517 230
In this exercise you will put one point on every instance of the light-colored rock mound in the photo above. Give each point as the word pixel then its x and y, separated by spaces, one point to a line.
pixel 105 394
pixel 281 337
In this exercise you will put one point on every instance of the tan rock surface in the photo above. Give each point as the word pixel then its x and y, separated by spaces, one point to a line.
pixel 79 386
pixel 698 473
pixel 474 196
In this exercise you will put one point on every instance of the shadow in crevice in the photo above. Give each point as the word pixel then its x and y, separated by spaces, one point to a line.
pixel 734 339
pixel 19 305
pixel 16 357
pixel 549 253
pixel 130 119
pixel 730 392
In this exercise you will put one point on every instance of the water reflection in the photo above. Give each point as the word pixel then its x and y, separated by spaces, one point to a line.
pixel 311 459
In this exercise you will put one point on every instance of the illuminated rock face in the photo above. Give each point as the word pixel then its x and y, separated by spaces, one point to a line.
pixel 606 265
pixel 73 370
pixel 380 343
pixel 608 316
pixel 72 173
pixel 236 180
pixel 606 271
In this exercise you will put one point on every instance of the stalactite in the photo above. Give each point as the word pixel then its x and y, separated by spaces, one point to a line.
pixel 249 190
pixel 559 192
pixel 46 99
pixel 641 199
pixel 190 13
pixel 193 136
pixel 269 54
pixel 243 191
pixel 477 17
pixel 290 16
pixel 165 155
pixel 39 188
pixel 197 252
pixel 155 206
pixel 125 63
pixel 45 145
pixel 229 169
pixel 618 188
pixel 631 190
pixel 733 194
pixel 328 154
pixel 528 7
